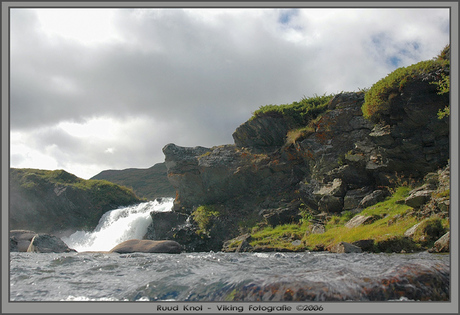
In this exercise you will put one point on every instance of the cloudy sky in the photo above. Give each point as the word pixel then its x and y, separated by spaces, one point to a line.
pixel 97 89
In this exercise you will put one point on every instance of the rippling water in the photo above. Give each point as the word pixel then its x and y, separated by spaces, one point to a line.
pixel 228 276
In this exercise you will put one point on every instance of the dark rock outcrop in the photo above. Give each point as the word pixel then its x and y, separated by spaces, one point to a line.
pixel 45 243
pixel 147 246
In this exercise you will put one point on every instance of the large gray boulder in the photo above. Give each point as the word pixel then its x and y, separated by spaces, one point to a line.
pixel 45 243
pixel 20 240
pixel 147 246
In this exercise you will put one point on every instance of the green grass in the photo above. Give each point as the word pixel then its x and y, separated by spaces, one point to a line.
pixel 279 237
pixel 296 114
pixel 393 219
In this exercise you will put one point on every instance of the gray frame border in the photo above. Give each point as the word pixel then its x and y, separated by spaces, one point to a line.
pixel 451 307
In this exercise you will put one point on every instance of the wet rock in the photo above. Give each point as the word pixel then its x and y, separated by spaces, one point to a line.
pixel 45 243
pixel 20 240
pixel 147 246
pixel 163 223
pixel 344 247
pixel 359 220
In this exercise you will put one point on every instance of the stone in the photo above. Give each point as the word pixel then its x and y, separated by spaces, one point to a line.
pixel 147 246
pixel 418 198
pixel 353 197
pixel 375 197
pixel 329 203
pixel 381 135
pixel 335 188
pixel 344 247
pixel 285 215
pixel 162 224
pixel 365 245
pixel 359 220
pixel 263 133
pixel 411 232
pixel 45 243
pixel 442 244
pixel 317 229
pixel 20 240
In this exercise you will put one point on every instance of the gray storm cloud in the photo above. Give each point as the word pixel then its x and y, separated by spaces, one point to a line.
pixel 192 76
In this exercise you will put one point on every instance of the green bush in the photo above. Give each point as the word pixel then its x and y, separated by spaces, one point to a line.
pixel 378 98
pixel 298 113
pixel 203 216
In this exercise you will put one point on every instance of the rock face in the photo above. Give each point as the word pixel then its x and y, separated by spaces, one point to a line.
pixel 341 165
pixel 147 246
pixel 45 243
pixel 20 240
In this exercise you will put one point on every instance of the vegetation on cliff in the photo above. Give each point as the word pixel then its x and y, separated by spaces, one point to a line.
pixel 386 230
pixel 299 113
pixel 50 201
pixel 378 98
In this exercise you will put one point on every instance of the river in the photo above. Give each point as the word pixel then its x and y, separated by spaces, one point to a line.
pixel 217 276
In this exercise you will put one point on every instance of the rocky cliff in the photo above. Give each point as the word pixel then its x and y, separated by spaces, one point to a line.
pixel 59 202
pixel 339 160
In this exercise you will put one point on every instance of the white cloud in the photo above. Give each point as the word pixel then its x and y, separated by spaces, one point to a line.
pixel 113 91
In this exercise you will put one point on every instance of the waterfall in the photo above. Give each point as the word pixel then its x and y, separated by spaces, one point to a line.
pixel 117 226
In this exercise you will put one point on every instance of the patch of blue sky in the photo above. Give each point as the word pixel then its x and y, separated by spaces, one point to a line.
pixel 286 15
pixel 395 54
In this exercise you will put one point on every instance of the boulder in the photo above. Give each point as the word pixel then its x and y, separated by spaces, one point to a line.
pixel 329 203
pixel 344 247
pixel 46 243
pixel 359 220
pixel 418 198
pixel 442 244
pixel 375 197
pixel 20 240
pixel 163 223
pixel 353 197
pixel 147 246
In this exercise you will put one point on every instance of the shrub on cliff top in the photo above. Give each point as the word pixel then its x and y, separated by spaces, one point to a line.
pixel 297 113
pixel 378 98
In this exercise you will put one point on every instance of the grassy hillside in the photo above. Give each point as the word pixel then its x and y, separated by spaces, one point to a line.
pixel 48 201
pixel 147 183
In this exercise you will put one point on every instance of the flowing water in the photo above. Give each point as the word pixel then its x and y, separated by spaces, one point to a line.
pixel 216 276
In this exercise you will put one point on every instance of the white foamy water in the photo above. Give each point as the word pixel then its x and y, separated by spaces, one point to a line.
pixel 117 226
